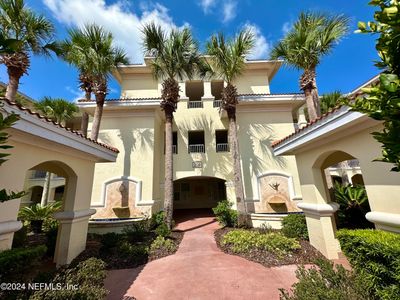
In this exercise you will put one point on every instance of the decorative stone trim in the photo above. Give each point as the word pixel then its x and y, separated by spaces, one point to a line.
pixel 9 227
pixel 74 215
pixel 319 210
pixel 386 221
pixel 292 194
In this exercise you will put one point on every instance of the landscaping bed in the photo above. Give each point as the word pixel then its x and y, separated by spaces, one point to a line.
pixel 306 254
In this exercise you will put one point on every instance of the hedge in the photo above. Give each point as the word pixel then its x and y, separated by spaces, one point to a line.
pixel 375 255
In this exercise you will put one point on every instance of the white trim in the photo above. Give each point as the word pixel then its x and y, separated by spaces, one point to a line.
pixel 386 221
pixel 340 118
pixel 123 102
pixel 292 194
pixel 319 210
pixel 8 227
pixel 32 125
pixel 66 216
pixel 138 196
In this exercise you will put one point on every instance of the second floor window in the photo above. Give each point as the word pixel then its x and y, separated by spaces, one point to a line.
pixel 221 141
pixel 196 142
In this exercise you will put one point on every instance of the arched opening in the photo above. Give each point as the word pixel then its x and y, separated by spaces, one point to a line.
pixel 52 187
pixel 198 193
pixel 338 168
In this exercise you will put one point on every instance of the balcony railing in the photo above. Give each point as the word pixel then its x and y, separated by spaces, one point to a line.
pixel 195 104
pixel 217 103
pixel 223 147
pixel 196 148
pixel 38 174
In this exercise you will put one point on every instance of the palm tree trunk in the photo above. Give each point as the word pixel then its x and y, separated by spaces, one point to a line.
pixel 85 116
pixel 237 170
pixel 46 188
pixel 14 74
pixel 309 86
pixel 343 166
pixel 168 183
pixel 98 113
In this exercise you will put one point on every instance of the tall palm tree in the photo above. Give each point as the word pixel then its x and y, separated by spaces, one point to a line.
pixel 90 49
pixel 59 110
pixel 31 32
pixel 175 56
pixel 228 61
pixel 313 36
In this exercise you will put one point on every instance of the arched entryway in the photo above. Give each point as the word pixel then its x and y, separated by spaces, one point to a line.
pixel 198 192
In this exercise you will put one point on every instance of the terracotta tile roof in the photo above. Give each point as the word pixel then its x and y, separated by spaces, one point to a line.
pixel 318 120
pixel 39 116
pixel 121 99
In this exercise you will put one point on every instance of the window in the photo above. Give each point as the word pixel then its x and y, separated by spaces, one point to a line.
pixel 174 142
pixel 221 140
pixel 196 142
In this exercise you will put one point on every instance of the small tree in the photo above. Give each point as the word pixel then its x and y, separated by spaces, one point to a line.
pixel 382 100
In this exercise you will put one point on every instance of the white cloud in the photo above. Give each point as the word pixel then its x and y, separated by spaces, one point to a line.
pixel 286 27
pixel 117 18
pixel 206 5
pixel 262 47
pixel 78 94
pixel 229 11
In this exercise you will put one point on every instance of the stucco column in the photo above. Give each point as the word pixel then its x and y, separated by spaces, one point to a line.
pixel 321 227
pixel 72 234
pixel 182 93
pixel 301 119
pixel 207 91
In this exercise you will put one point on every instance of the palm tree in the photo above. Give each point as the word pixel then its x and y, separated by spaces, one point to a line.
pixel 31 33
pixel 330 100
pixel 175 57
pixel 313 36
pixel 59 110
pixel 90 49
pixel 228 60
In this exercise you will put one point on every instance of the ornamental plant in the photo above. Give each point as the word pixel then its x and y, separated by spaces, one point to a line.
pixel 383 99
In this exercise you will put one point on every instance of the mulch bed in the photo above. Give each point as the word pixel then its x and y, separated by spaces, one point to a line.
pixel 306 255
pixel 115 260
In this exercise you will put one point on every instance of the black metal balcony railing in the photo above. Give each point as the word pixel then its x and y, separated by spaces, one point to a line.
pixel 223 147
pixel 196 148
pixel 38 174
pixel 195 104
pixel 217 103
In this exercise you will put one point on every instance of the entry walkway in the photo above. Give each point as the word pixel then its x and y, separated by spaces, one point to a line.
pixel 199 270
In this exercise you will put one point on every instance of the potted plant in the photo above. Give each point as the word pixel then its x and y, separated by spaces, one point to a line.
pixel 36 214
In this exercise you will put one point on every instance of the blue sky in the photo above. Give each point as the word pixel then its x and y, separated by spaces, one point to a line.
pixel 350 64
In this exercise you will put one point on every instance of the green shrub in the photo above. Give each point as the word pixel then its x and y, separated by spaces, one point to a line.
pixel 375 255
pixel 163 230
pixel 49 224
pixel 156 220
pixel 225 215
pixel 243 241
pixel 20 237
pixel 109 240
pixel 131 251
pixel 88 276
pixel 14 262
pixel 51 240
pixel 161 243
pixel 295 226
pixel 137 231
pixel 325 282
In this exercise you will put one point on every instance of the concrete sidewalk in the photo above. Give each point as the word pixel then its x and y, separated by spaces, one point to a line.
pixel 199 270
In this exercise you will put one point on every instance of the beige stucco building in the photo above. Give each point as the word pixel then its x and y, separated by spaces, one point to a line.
pixel 203 174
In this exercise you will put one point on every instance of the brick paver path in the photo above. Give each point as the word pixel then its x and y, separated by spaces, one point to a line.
pixel 199 270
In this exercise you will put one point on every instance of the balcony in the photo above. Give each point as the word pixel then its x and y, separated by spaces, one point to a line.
pixel 38 174
pixel 196 148
pixel 174 149
pixel 223 147
pixel 217 103
pixel 195 104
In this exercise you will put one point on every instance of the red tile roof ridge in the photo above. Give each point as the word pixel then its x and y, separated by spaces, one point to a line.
pixel 317 120
pixel 39 116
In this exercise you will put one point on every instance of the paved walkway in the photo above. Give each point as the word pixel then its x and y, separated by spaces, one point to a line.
pixel 199 270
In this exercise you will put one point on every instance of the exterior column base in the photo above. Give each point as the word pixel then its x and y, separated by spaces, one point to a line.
pixel 7 230
pixel 72 234
pixel 321 227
